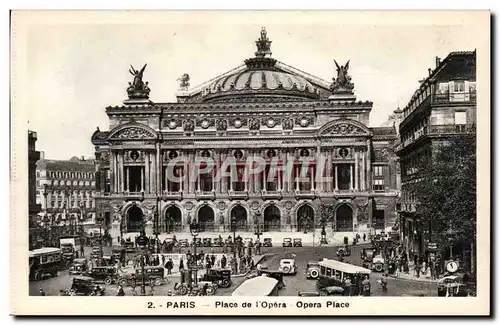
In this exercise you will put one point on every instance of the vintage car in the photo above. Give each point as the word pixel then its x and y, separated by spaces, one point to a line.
pixel 287 266
pixel 152 274
pixel 68 253
pixel 453 286
pixel 129 247
pixel 248 242
pixel 268 242
pixel 183 243
pixel 106 274
pixel 78 266
pixel 207 242
pixel 96 252
pixel 287 242
pixel 108 260
pixel 44 261
pixel 331 291
pixel 308 294
pixel 312 271
pixel 85 286
pixel 221 277
pixel 217 242
pixel 297 242
pixel 344 251
pixel 378 263
pixel 197 241
pixel 118 253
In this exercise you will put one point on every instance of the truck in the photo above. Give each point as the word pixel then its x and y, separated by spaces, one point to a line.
pixel 70 248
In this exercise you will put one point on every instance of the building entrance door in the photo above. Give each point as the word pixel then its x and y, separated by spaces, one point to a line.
pixel 343 218
pixel 135 219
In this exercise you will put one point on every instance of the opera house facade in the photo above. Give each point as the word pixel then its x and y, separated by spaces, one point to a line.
pixel 162 166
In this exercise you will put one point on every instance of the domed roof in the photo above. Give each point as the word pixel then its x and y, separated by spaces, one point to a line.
pixel 260 79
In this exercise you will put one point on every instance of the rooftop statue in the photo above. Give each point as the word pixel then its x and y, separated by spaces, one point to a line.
pixel 263 44
pixel 343 81
pixel 138 88
pixel 184 82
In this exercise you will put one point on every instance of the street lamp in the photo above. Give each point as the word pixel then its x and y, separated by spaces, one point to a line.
pixel 233 225
pixel 194 229
pixel 450 235
pixel 156 224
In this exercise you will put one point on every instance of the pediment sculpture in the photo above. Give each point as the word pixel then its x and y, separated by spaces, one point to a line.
pixel 345 129
pixel 117 215
pixel 343 81
pixel 134 133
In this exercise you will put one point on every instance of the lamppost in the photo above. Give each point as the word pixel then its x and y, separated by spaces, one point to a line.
pixel 45 207
pixel 450 235
pixel 233 225
pixel 100 239
pixel 194 229
pixel 257 222
pixel 156 224
pixel 142 243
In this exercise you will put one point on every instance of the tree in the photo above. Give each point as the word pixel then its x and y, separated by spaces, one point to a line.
pixel 445 190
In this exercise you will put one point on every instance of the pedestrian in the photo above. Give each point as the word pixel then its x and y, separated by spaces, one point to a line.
pixel 223 262
pixel 383 283
pixel 163 259
pixel 82 251
pixel 212 260
pixel 417 270
pixel 121 292
pixel 181 265
pixel 42 293
pixel 366 287
pixel 347 287
pixel 169 266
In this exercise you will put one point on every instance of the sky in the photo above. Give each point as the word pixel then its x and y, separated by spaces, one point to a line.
pixel 75 67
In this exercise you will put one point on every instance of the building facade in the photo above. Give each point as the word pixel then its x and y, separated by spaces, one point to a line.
pixel 443 106
pixel 263 109
pixel 33 207
pixel 65 190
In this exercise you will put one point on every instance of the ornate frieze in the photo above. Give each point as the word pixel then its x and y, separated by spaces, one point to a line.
pixel 270 122
pixel 238 122
pixel 134 133
pixel 172 124
pixel 254 124
pixel 221 125
pixel 287 123
pixel 188 125
pixel 304 121
pixel 205 123
pixel 345 129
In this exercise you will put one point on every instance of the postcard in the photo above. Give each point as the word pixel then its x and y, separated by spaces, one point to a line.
pixel 250 163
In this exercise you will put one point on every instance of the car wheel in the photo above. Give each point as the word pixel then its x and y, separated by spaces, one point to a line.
pixel 158 282
pixel 379 267
pixel 286 269
pixel 183 290
pixel 314 274
pixel 123 282
pixel 38 276
pixel 225 283
pixel 210 290
pixel 108 280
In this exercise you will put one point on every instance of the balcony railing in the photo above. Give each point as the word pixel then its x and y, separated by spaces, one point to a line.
pixel 450 129
pixel 454 97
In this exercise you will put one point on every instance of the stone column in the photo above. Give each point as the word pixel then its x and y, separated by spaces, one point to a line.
pixel 185 172
pixel 369 164
pixel 223 180
pixel 336 178
pixel 191 163
pixel 158 169
pixel 121 164
pixel 362 171
pixel 328 171
pixel 128 178
pixel 112 172
pixel 217 171
pixel 312 177
pixel 147 171
pixel 352 176
pixel 297 176
pixel 356 169
pixel 142 179
pixel 279 173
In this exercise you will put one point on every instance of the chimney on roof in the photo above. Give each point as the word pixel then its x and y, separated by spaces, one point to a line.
pixel 42 154
pixel 438 61
pixel 430 71
pixel 83 158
